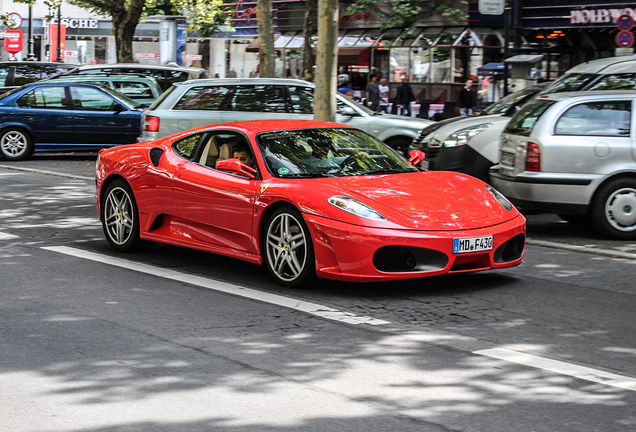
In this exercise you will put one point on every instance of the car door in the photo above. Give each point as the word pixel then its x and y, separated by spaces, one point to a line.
pixel 218 207
pixel 256 102
pixel 97 119
pixel 43 110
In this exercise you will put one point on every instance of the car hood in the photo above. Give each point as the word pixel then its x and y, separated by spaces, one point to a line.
pixel 397 120
pixel 466 122
pixel 422 201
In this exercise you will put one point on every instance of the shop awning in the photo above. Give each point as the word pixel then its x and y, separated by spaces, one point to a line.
pixel 491 69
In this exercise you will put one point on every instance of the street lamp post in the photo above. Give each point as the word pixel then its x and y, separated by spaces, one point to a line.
pixel 30 55
pixel 58 57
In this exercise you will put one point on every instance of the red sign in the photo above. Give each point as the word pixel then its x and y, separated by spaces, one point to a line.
pixel 13 41
pixel 53 41
pixel 625 22
pixel 625 39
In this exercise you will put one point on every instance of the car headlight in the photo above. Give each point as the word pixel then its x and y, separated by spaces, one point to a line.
pixel 462 136
pixel 499 197
pixel 355 207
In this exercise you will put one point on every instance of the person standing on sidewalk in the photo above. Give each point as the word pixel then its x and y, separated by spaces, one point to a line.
pixel 405 96
pixel 384 96
pixel 465 98
pixel 373 94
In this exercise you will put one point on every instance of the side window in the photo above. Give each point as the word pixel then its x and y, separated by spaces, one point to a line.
pixel 4 72
pixel 44 97
pixel 302 99
pixel 134 90
pixel 259 98
pixel 186 147
pixel 96 71
pixel 611 118
pixel 91 99
pixel 202 98
pixel 625 81
pixel 25 74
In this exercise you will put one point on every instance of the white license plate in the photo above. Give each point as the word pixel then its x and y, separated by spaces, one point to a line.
pixel 472 244
pixel 508 159
pixel 424 164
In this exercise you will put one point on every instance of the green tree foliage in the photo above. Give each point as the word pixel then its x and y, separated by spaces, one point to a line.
pixel 406 13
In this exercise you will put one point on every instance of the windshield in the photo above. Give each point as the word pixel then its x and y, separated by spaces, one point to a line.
pixel 504 104
pixel 328 153
pixel 525 119
pixel 569 82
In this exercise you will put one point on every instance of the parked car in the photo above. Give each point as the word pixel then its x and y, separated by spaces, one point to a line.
pixel 65 117
pixel 321 198
pixel 165 75
pixel 470 144
pixel 143 90
pixel 202 102
pixel 14 74
pixel 574 154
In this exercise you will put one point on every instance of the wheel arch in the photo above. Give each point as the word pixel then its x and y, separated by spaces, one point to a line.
pixel 267 213
pixel 613 177
pixel 104 186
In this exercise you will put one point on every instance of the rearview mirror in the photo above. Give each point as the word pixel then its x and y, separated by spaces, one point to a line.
pixel 347 110
pixel 235 166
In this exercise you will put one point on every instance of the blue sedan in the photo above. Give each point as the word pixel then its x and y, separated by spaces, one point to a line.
pixel 65 117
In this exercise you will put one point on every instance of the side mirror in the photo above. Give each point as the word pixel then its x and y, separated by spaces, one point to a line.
pixel 415 157
pixel 347 110
pixel 235 166
pixel 118 107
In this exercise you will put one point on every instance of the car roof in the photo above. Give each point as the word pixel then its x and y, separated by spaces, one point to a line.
pixel 36 63
pixel 590 94
pixel 606 65
pixel 258 126
pixel 140 66
pixel 226 81
pixel 114 77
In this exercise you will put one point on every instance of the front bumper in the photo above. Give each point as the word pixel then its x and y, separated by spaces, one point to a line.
pixel 354 253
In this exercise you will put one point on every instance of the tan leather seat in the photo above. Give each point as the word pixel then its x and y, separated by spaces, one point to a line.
pixel 210 153
pixel 226 151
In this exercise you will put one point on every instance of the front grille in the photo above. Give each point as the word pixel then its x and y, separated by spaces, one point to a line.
pixel 510 250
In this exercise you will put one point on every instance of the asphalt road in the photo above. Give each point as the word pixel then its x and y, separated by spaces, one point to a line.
pixel 180 340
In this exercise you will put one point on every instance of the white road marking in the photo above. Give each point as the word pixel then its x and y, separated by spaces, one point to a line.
pixel 288 302
pixel 39 171
pixel 583 249
pixel 5 236
pixel 580 372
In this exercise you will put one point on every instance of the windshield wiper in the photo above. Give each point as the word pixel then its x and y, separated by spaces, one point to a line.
pixel 305 175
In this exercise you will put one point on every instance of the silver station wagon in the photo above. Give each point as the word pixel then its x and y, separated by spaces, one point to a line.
pixel 574 154
pixel 202 102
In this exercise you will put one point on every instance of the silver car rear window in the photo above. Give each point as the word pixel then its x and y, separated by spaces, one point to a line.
pixel 523 122
pixel 207 98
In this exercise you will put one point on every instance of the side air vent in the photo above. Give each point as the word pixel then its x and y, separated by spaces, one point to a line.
pixel 155 156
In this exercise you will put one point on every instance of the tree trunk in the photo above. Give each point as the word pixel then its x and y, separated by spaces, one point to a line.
pixel 308 50
pixel 266 51
pixel 327 61
pixel 124 24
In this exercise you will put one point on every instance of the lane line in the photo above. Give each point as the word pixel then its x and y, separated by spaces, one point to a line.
pixel 576 371
pixel 5 236
pixel 39 171
pixel 287 302
pixel 582 249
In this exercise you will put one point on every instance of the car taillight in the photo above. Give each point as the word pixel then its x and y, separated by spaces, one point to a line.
pixel 533 157
pixel 151 124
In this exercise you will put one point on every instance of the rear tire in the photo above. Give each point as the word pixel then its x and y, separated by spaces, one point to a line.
pixel 289 250
pixel 614 209
pixel 120 217
pixel 15 144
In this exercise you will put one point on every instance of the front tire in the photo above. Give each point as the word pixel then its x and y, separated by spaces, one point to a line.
pixel 614 209
pixel 15 144
pixel 289 251
pixel 120 217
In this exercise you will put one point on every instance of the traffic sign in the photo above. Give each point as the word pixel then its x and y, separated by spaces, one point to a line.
pixel 625 22
pixel 625 39
pixel 13 41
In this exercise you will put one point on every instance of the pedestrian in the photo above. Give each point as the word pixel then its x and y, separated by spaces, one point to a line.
pixel 404 96
pixel 384 96
pixel 465 98
pixel 373 95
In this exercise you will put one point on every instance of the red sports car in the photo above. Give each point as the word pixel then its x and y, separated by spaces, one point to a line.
pixel 306 198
